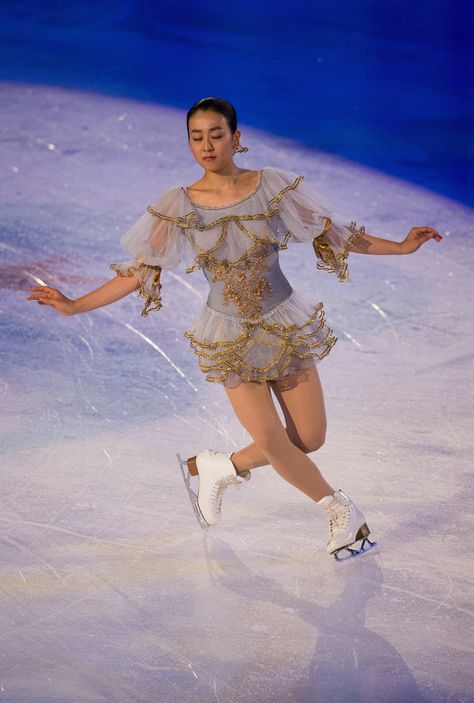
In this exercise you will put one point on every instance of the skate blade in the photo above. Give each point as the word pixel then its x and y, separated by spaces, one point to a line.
pixel 352 552
pixel 192 496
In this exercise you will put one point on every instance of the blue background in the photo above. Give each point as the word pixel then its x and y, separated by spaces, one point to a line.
pixel 387 84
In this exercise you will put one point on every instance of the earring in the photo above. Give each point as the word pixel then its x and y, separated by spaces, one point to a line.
pixel 240 149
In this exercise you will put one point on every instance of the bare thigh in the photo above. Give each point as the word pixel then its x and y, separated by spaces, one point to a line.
pixel 255 408
pixel 301 399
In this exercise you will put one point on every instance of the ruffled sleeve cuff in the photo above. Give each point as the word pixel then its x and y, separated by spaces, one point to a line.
pixel 149 282
pixel 333 245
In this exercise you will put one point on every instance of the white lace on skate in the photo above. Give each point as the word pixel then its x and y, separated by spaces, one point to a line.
pixel 339 513
pixel 220 486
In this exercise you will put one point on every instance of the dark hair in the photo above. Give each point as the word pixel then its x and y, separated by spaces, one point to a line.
pixel 224 107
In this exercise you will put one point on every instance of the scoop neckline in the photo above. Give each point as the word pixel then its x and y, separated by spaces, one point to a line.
pixel 236 202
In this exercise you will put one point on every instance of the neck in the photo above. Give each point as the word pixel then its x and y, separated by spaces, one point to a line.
pixel 225 176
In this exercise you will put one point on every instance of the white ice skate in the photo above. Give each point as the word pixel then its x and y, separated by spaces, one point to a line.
pixel 216 472
pixel 347 526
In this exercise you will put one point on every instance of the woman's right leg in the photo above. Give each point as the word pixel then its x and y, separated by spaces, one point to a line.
pixel 256 411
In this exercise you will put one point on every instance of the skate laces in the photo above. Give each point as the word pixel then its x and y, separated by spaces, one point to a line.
pixel 220 486
pixel 339 512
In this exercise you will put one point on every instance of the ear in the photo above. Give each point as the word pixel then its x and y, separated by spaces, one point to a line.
pixel 236 138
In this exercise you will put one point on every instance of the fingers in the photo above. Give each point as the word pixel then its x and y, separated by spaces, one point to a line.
pixel 428 233
pixel 38 296
pixel 44 292
pixel 46 297
pixel 432 232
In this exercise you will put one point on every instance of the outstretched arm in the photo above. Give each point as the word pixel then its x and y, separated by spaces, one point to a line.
pixel 369 244
pixel 109 292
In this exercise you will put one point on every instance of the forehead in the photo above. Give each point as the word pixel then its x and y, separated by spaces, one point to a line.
pixel 206 119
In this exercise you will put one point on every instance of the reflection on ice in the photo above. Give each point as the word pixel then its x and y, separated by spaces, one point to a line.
pixel 110 590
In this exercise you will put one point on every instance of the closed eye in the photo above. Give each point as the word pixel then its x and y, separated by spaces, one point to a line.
pixel 200 140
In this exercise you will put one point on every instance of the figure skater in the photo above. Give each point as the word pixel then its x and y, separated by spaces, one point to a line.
pixel 255 334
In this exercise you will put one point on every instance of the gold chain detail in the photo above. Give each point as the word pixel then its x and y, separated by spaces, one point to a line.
pixel 276 198
pixel 149 291
pixel 328 259
pixel 184 222
pixel 228 355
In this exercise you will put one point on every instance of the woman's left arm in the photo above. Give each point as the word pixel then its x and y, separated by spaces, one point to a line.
pixel 369 244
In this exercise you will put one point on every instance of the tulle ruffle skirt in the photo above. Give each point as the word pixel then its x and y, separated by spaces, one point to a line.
pixel 231 350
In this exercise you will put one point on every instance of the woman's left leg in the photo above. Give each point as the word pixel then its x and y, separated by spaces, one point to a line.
pixel 256 411
pixel 300 396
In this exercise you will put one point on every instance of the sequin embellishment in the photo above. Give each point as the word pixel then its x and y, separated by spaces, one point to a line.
pixel 245 286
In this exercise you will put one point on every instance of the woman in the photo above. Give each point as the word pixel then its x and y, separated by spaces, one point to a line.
pixel 255 333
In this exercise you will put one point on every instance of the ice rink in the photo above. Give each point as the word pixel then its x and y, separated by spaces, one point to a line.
pixel 110 591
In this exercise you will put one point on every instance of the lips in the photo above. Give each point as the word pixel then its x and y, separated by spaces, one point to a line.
pixel 208 158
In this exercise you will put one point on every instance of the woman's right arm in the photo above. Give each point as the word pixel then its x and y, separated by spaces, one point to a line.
pixel 109 292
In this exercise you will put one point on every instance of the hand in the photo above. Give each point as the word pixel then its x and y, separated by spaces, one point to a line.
pixel 54 298
pixel 418 236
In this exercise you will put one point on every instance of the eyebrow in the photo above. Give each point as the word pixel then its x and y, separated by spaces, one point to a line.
pixel 200 130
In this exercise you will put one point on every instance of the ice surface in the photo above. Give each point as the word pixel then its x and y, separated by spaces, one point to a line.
pixel 110 591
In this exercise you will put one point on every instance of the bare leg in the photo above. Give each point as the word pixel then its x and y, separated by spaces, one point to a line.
pixel 302 402
pixel 255 409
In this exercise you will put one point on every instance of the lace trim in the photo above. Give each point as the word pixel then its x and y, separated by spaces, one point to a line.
pixel 328 259
pixel 148 289
pixel 218 359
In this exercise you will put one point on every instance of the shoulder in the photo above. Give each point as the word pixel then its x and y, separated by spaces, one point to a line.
pixel 279 182
pixel 281 176
pixel 172 205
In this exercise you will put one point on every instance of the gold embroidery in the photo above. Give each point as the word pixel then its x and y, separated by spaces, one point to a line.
pixel 205 256
pixel 276 198
pixel 218 359
pixel 191 221
pixel 328 259
pixel 245 286
pixel 185 222
pixel 149 290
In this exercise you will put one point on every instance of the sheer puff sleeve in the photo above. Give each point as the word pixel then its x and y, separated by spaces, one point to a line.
pixel 155 241
pixel 306 216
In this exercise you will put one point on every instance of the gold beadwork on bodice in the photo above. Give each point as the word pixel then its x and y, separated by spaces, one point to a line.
pixel 245 286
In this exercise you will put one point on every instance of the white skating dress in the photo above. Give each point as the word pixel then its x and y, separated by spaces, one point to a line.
pixel 254 326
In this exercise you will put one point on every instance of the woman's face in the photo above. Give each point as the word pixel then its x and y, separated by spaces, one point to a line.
pixel 210 139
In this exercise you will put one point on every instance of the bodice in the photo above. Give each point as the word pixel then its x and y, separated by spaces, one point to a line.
pixel 250 288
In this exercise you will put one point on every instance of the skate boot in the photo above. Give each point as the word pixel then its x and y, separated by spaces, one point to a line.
pixel 216 472
pixel 347 526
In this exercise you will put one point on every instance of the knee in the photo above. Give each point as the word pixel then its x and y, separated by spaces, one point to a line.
pixel 267 437
pixel 312 441
pixel 315 442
